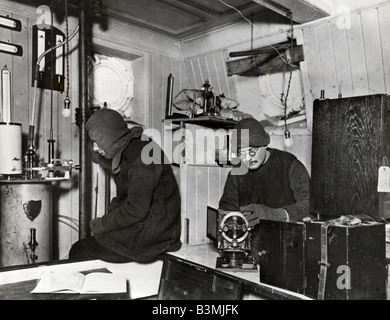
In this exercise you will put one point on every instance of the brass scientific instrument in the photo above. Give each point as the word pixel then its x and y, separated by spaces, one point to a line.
pixel 234 242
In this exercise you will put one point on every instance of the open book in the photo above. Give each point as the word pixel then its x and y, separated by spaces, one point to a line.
pixel 76 282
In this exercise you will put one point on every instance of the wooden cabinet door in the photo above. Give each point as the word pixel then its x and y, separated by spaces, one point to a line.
pixel 351 141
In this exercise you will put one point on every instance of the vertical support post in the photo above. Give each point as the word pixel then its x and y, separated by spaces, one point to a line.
pixel 84 189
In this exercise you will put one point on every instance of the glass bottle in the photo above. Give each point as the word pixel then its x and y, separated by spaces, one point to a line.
pixel 208 98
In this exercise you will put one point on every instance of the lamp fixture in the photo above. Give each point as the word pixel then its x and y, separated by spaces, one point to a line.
pixel 288 142
pixel 8 23
pixel 11 48
pixel 66 112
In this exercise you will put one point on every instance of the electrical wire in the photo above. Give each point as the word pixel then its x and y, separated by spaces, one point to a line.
pixel 51 140
pixel 284 96
pixel 254 26
pixel 284 64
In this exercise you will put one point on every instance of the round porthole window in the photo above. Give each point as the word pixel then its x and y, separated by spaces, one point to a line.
pixel 111 82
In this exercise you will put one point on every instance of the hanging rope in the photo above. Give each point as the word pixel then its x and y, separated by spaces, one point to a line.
pixel 284 96
pixel 67 48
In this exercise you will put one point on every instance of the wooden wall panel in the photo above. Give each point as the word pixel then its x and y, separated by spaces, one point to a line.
pixel 198 74
pixel 301 146
pixel 21 72
pixel 161 68
pixel 313 60
pixel 340 55
pixel 189 208
pixel 204 187
pixel 384 27
pixel 355 57
pixel 211 67
pixel 213 187
pixel 326 56
pixel 202 196
pixel 373 56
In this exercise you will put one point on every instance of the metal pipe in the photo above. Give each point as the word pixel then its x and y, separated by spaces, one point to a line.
pixel 84 190
pixel 36 71
pixel 168 108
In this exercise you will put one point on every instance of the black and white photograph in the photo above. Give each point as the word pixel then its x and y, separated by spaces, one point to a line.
pixel 195 157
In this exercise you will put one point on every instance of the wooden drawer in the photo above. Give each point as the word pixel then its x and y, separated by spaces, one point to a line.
pixel 185 281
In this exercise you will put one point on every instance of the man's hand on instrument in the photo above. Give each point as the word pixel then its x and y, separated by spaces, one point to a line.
pixel 256 212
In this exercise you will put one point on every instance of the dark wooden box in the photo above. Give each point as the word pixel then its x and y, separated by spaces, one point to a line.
pixel 282 250
pixel 357 262
pixel 351 141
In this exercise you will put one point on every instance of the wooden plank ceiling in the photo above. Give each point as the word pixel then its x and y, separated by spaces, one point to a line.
pixel 185 18
pixel 181 19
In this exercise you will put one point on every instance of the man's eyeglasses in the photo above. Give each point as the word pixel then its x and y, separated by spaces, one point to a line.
pixel 243 153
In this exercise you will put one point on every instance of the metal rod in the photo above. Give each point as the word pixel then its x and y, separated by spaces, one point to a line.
pixel 169 96
pixel 84 190
pixel 51 141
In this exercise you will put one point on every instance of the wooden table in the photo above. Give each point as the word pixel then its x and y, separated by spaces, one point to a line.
pixel 16 282
pixel 21 291
pixel 201 259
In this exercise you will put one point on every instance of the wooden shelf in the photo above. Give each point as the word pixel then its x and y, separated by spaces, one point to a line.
pixel 208 121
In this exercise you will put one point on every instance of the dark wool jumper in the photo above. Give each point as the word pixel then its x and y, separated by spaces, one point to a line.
pixel 143 220
pixel 282 182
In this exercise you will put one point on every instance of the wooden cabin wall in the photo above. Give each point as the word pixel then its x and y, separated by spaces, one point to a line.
pixel 353 60
pixel 162 66
pixel 206 58
pixel 207 54
pixel 47 116
pixel 157 57
pixel 350 56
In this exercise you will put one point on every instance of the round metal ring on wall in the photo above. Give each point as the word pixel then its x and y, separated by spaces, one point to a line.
pixel 111 82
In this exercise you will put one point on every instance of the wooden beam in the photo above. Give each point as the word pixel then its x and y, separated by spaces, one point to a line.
pixel 281 47
pixel 263 63
pixel 273 6
pixel 302 11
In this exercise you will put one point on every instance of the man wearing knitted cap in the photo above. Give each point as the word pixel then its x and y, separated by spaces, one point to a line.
pixel 276 186
pixel 143 220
